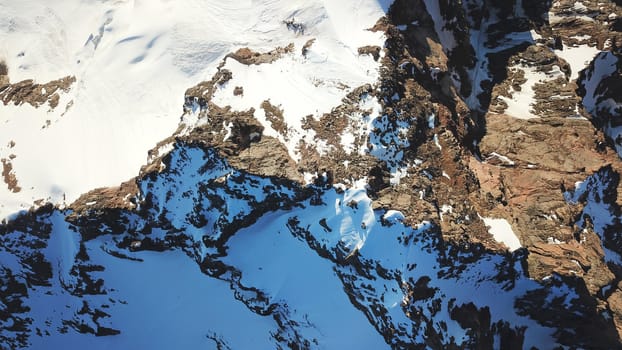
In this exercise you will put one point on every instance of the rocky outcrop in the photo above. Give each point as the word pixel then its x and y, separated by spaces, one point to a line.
pixel 8 175
pixel 521 168
pixel 28 91
pixel 248 56
pixel 529 164
pixel 372 50
pixel 4 74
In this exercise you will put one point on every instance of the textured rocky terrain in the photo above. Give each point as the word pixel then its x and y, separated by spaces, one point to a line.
pixel 413 174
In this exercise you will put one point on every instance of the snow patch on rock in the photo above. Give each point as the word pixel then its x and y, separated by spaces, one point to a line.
pixel 502 231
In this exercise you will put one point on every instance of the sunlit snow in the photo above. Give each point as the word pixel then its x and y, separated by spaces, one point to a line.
pixel 133 61
pixel 502 231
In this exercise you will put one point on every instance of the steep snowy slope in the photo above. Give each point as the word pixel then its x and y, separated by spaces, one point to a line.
pixel 132 61
pixel 310 174
pixel 323 274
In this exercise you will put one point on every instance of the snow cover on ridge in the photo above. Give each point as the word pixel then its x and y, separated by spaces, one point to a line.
pixel 483 44
pixel 333 248
pixel 599 98
pixel 578 57
pixel 308 85
pixel 133 62
pixel 599 214
pixel 604 65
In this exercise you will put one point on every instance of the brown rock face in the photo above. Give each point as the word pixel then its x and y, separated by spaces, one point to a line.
pixel 28 91
pixel 523 168
pixel 528 165
pixel 4 74
pixel 463 157
pixel 9 176
pixel 244 144
pixel 374 51
pixel 119 197
pixel 248 56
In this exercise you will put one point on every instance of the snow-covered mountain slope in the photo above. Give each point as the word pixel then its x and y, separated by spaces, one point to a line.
pixel 310 175
pixel 323 271
pixel 133 60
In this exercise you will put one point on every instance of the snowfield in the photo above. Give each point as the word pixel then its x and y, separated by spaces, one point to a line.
pixel 133 60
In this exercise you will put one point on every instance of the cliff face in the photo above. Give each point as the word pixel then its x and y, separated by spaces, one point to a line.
pixel 449 181
pixel 539 119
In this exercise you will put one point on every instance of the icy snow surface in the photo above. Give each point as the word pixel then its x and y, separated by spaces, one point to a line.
pixel 163 294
